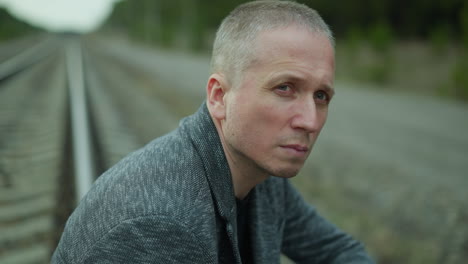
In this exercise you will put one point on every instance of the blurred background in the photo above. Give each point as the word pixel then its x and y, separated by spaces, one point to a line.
pixel 390 167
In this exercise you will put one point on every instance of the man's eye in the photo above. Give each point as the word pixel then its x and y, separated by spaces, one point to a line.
pixel 284 88
pixel 322 96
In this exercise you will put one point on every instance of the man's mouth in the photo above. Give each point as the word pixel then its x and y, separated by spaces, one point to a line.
pixel 297 148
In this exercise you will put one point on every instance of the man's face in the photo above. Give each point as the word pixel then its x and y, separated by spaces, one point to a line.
pixel 275 113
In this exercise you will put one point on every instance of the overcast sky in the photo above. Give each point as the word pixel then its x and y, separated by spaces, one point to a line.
pixel 61 15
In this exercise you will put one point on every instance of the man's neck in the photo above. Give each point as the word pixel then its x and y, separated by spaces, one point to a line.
pixel 244 172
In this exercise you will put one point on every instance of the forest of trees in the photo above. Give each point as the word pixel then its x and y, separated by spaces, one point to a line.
pixel 376 24
pixel 11 27
pixel 162 21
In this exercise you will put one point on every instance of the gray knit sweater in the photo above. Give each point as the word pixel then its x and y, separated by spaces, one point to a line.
pixel 173 202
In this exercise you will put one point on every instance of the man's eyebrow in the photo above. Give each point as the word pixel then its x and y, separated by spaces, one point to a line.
pixel 300 78
pixel 329 89
pixel 287 76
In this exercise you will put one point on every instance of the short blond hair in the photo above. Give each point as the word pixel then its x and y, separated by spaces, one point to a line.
pixel 233 49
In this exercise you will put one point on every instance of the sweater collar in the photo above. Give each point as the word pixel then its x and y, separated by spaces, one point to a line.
pixel 205 138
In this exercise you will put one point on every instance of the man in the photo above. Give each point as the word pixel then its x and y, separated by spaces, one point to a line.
pixel 216 190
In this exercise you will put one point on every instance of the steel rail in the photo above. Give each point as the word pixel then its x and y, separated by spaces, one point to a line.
pixel 82 155
pixel 27 57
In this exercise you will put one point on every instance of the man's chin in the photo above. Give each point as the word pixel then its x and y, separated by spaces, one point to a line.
pixel 286 172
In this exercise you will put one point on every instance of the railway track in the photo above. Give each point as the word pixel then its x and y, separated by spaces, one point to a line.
pixel 32 135
pixel 65 117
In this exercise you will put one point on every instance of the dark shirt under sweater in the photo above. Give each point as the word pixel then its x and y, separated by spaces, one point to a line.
pixel 243 233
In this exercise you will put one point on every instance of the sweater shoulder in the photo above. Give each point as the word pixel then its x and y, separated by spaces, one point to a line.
pixel 164 178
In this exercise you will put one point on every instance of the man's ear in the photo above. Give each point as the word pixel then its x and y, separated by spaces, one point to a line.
pixel 216 89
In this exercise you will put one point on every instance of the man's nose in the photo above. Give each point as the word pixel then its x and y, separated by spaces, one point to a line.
pixel 306 116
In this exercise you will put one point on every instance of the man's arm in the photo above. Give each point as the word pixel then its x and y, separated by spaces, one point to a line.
pixel 143 240
pixel 309 238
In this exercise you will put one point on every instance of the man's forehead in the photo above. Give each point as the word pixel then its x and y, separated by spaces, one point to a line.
pixel 294 41
pixel 277 34
pixel 292 44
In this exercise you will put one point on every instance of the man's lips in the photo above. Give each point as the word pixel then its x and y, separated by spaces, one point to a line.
pixel 296 147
